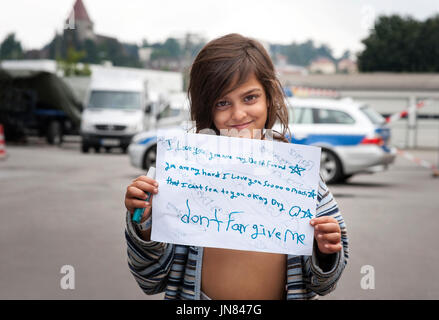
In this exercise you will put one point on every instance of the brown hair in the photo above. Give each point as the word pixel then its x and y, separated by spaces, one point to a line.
pixel 223 65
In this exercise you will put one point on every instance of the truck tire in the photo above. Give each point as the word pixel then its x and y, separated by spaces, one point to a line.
pixel 84 148
pixel 54 133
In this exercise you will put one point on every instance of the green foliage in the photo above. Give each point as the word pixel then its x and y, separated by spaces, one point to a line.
pixel 120 54
pixel 428 48
pixel 104 49
pixel 302 54
pixel 10 48
pixel 169 49
pixel 401 44
pixel 70 65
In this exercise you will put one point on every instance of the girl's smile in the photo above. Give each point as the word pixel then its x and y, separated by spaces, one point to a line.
pixel 242 126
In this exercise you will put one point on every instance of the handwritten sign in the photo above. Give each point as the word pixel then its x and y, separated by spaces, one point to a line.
pixel 235 193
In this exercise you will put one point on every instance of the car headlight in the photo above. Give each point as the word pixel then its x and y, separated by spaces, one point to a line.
pixel 137 127
pixel 87 126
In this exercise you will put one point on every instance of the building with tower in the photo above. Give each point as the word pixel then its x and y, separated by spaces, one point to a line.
pixel 80 22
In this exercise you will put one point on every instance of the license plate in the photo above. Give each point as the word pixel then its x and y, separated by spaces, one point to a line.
pixel 110 142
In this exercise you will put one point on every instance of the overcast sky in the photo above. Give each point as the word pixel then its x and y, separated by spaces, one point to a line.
pixel 341 24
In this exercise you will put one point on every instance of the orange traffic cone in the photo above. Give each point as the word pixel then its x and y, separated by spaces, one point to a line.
pixel 2 143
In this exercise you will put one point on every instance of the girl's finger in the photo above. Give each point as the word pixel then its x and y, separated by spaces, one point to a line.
pixel 331 248
pixel 324 219
pixel 145 186
pixel 134 204
pixel 147 180
pixel 327 227
pixel 332 238
pixel 133 192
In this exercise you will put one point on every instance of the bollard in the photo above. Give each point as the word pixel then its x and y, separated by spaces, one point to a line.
pixel 3 154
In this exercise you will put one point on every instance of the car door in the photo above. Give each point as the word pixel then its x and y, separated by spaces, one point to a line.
pixel 326 127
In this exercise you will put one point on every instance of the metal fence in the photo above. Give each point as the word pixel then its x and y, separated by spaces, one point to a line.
pixel 418 128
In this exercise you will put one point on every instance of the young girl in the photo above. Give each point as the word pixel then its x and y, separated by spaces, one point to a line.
pixel 233 87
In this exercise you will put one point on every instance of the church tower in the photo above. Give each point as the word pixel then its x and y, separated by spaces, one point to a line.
pixel 80 22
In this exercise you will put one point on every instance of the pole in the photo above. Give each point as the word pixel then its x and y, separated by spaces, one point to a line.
pixel 411 122
pixel 435 174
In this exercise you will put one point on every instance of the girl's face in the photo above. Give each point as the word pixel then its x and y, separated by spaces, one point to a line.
pixel 242 110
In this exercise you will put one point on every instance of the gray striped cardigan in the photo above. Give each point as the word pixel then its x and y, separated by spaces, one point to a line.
pixel 176 269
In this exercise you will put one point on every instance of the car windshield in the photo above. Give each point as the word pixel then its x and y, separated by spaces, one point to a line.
pixel 373 116
pixel 114 100
pixel 169 112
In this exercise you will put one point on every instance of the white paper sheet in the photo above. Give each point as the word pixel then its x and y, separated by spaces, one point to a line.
pixel 235 193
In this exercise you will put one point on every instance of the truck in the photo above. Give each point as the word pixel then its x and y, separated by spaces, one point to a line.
pixel 35 101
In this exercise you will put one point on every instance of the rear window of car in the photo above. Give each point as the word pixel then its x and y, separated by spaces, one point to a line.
pixel 372 115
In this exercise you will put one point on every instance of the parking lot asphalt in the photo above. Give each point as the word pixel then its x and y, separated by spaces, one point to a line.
pixel 60 207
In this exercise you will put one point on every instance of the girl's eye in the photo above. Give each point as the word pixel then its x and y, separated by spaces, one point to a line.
pixel 222 104
pixel 250 98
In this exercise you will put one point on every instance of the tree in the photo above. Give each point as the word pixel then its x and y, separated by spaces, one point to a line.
pixel 92 51
pixel 145 43
pixel 303 54
pixel 172 46
pixel 95 51
pixel 428 45
pixel 70 64
pixel 10 48
pixel 169 49
pixel 55 47
pixel 346 55
pixel 401 44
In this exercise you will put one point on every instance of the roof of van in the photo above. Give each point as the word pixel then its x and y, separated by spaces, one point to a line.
pixel 23 68
pixel 120 80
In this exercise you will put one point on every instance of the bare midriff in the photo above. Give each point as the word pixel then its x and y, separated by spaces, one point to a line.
pixel 247 275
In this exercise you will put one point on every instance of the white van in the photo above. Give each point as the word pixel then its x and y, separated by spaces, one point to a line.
pixel 117 107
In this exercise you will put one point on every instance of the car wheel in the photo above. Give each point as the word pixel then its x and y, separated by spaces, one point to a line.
pixel 54 133
pixel 150 157
pixel 84 148
pixel 346 177
pixel 330 167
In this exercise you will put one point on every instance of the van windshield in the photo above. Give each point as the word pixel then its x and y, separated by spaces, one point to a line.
pixel 114 100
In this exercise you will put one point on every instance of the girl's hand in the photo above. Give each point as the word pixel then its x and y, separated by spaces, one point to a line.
pixel 327 234
pixel 136 195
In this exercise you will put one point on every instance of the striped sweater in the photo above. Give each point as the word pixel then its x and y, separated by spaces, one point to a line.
pixel 176 269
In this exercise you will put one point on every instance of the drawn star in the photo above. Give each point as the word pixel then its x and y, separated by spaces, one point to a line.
pixel 311 194
pixel 297 170
pixel 307 214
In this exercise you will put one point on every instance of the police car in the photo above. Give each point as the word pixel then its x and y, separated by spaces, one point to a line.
pixel 353 137
pixel 174 114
